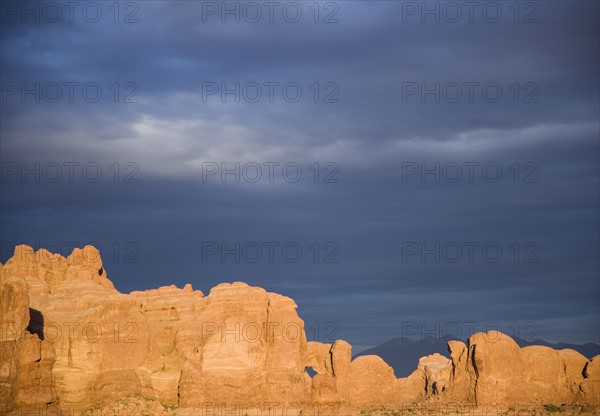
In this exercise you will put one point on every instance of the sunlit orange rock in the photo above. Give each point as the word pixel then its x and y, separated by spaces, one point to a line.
pixel 70 340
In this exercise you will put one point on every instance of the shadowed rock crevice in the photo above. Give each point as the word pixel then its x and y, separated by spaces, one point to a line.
pixel 36 323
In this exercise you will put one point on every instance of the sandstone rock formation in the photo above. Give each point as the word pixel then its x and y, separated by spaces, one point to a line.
pixel 493 369
pixel 590 388
pixel 70 340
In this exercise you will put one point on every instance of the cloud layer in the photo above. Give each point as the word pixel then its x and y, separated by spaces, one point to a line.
pixel 385 142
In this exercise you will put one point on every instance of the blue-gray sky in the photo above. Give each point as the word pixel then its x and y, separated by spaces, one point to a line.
pixel 479 88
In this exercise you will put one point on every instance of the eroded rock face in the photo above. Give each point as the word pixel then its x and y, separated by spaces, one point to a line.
pixel 436 369
pixel 462 375
pixel 25 360
pixel 590 388
pixel 430 379
pixel 372 383
pixel 251 346
pixel 492 369
pixel 172 346
pixel 70 340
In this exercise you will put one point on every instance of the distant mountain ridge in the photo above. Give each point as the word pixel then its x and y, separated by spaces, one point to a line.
pixel 403 354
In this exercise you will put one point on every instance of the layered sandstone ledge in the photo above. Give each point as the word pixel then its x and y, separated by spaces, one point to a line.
pixel 71 343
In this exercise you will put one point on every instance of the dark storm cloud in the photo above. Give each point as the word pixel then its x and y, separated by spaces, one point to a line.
pixel 373 134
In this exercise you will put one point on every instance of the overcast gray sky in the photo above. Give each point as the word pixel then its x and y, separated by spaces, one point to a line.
pixel 449 154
